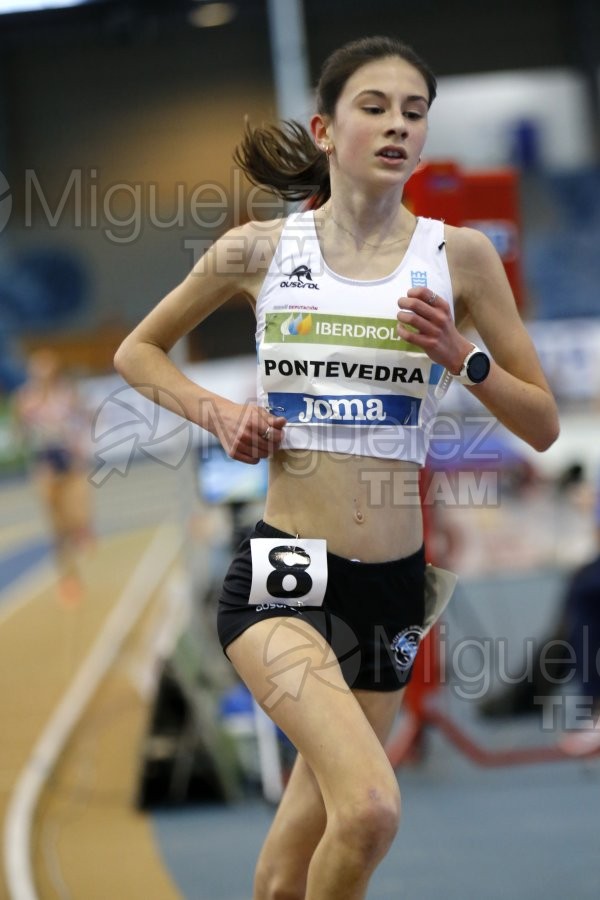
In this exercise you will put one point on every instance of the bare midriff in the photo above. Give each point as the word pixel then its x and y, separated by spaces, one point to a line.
pixel 366 508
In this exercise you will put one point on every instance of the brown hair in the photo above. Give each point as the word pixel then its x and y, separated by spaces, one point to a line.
pixel 285 158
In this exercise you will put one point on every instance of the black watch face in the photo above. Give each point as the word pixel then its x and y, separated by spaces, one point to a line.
pixel 478 367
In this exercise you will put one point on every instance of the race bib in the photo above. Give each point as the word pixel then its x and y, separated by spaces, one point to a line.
pixel 291 571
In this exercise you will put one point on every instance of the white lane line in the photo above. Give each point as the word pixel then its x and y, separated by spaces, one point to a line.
pixel 155 561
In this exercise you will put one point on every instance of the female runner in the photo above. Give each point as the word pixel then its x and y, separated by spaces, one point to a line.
pixel 359 308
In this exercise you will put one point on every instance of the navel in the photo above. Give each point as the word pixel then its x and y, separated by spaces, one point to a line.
pixel 358 515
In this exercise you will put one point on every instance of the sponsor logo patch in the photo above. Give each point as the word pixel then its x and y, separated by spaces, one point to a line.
pixel 301 277
pixel 405 646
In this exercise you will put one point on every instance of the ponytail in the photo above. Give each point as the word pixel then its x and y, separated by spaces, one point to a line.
pixel 286 161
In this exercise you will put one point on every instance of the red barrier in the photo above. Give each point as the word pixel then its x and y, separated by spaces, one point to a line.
pixel 487 200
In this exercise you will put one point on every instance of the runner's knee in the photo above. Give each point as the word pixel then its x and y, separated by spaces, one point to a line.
pixel 368 825
pixel 273 881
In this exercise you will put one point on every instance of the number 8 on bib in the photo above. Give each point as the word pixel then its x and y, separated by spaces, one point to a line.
pixel 294 574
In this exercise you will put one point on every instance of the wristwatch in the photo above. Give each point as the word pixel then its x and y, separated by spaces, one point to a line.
pixel 475 368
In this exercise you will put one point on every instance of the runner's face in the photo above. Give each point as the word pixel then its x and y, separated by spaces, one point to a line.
pixel 380 122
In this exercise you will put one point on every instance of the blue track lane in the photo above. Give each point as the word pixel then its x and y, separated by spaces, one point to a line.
pixel 17 562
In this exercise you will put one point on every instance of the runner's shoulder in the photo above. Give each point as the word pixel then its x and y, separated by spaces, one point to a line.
pixel 255 235
pixel 242 255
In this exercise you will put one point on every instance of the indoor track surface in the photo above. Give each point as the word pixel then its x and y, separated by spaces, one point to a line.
pixel 520 832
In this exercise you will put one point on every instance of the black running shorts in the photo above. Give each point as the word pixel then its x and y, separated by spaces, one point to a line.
pixel 372 613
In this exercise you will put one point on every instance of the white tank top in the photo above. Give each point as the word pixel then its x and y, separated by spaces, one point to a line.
pixel 329 357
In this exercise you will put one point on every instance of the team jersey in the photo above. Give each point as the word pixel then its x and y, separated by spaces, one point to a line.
pixel 328 353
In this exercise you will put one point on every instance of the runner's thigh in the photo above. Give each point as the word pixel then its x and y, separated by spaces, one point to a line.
pixel 293 674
